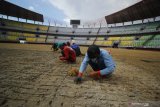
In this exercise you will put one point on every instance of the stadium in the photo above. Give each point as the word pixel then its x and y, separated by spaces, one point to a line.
pixel 33 76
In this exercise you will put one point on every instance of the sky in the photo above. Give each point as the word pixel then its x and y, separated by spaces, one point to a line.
pixel 62 11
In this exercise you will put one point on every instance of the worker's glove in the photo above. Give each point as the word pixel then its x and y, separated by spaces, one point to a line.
pixel 78 80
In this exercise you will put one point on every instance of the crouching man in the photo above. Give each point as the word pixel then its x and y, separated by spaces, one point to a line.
pixel 54 46
pixel 100 61
pixel 76 49
pixel 68 54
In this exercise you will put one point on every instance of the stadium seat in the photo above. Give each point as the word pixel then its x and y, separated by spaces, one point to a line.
pixel 89 42
pixel 40 40
pixel 13 36
pixel 157 37
pixel 30 26
pixel 31 39
pixel 107 43
pixel 28 35
pixel 43 27
pixel 100 43
pixel 100 38
pixel 131 38
pixel 126 44
pixel 114 38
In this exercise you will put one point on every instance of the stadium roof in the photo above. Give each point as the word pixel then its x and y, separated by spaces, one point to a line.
pixel 10 9
pixel 141 10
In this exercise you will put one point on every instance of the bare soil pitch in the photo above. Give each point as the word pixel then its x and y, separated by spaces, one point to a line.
pixel 32 76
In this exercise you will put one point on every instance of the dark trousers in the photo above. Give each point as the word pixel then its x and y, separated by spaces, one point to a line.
pixel 78 51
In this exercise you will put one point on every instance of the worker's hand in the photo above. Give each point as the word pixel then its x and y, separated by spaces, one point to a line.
pixel 78 80
pixel 61 58
pixel 94 75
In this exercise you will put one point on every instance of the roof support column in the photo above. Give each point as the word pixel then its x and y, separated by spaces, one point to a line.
pixel 154 19
pixel 142 21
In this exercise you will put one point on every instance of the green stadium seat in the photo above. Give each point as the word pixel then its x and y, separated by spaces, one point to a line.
pixel 99 43
pixel 30 39
pixel 107 43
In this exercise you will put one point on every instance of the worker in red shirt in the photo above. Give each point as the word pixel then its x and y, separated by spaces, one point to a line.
pixel 68 53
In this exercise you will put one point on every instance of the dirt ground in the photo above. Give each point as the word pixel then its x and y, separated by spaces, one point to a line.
pixel 32 76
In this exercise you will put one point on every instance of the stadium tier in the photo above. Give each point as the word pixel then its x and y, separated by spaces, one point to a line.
pixel 128 29
pixel 9 36
pixel 144 35
pixel 23 25
pixel 154 43
pixel 10 23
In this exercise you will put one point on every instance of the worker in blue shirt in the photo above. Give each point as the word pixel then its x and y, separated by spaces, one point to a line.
pixel 76 49
pixel 100 61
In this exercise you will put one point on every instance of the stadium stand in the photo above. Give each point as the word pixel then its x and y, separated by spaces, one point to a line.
pixel 142 35
pixel 124 41
pixel 130 29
